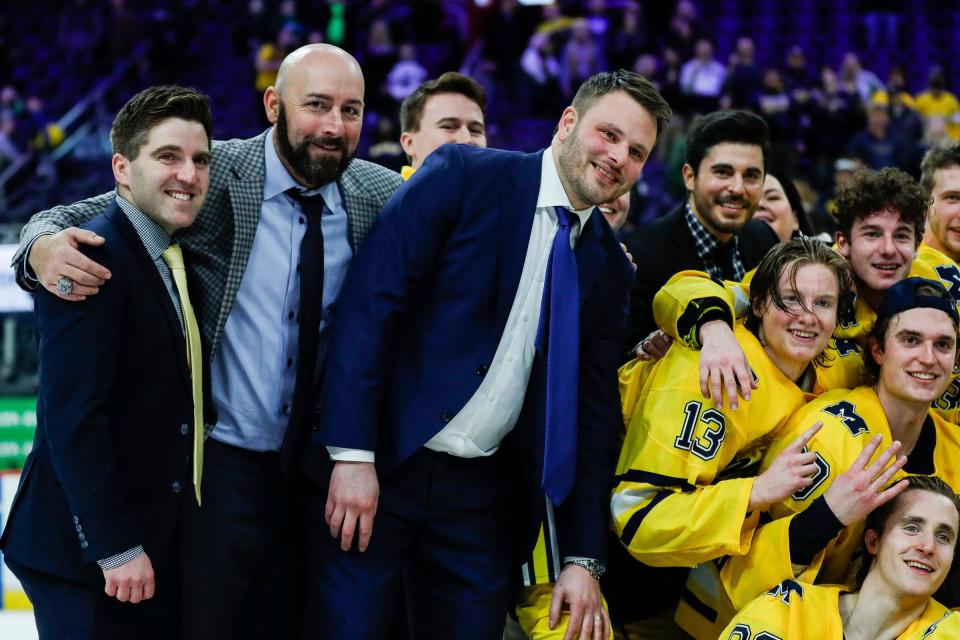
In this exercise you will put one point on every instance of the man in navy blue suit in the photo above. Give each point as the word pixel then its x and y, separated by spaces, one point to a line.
pixel 92 533
pixel 435 408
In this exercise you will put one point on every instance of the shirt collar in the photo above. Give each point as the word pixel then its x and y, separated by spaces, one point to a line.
pixel 706 243
pixel 277 179
pixel 552 194
pixel 155 240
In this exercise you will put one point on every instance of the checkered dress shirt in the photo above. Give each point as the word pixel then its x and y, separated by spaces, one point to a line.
pixel 709 250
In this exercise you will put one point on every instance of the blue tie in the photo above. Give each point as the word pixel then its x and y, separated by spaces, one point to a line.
pixel 559 335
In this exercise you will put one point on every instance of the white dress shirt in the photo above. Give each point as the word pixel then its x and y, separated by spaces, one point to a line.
pixel 492 412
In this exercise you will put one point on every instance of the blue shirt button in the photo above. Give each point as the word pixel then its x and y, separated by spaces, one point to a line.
pixel 84 544
pixel 184 429
pixel 176 486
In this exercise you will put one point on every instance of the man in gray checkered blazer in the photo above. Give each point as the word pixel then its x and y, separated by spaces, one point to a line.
pixel 244 546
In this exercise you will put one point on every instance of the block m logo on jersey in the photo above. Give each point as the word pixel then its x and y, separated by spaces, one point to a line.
pixel 849 416
pixel 785 588
pixel 950 276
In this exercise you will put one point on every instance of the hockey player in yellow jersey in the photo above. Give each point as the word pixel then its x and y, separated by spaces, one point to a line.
pixel 910 544
pixel 685 491
pixel 881 216
pixel 911 352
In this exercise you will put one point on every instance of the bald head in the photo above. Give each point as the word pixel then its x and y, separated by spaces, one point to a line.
pixel 317 107
pixel 312 55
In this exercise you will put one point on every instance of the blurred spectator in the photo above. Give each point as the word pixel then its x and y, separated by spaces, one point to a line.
pixel 701 78
pixel 836 113
pixel 377 61
pixel 80 26
pixel 773 103
pixel 682 32
pixel 744 76
pixel 616 211
pixel 782 208
pixel 386 149
pixel 855 78
pixel 9 152
pixel 581 57
pixel 797 75
pixel 843 169
pixel 876 146
pixel 270 55
pixel 542 74
pixel 937 102
pixel 597 19
pixel 669 80
pixel 407 73
pixel 626 42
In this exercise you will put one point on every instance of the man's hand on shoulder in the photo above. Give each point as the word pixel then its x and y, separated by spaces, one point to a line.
pixel 580 592
pixel 352 498
pixel 55 256
pixel 132 581
pixel 723 365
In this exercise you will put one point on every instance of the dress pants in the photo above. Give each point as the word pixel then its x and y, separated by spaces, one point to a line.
pixel 442 536
pixel 66 610
pixel 243 550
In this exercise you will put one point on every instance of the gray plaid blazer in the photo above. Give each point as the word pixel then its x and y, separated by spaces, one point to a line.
pixel 218 244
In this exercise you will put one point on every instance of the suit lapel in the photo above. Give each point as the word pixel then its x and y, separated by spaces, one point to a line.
pixel 517 205
pixel 150 274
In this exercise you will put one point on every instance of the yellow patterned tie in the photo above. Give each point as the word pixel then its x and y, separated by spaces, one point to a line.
pixel 174 259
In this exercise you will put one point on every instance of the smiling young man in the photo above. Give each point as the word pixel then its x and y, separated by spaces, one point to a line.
pixel 94 530
pixel 712 231
pixel 461 440
pixel 447 110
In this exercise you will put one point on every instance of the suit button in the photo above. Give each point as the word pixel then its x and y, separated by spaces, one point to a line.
pixel 81 536
pixel 76 519
pixel 446 416
pixel 84 544
pixel 482 370
pixel 175 486
pixel 78 528
pixel 184 429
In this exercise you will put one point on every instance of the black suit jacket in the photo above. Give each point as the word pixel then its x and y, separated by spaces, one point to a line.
pixel 111 457
pixel 664 247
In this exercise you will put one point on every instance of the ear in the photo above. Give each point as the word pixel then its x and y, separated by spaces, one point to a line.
pixel 843 245
pixel 876 350
pixel 121 170
pixel 689 178
pixel 271 104
pixel 871 541
pixel 568 120
pixel 406 141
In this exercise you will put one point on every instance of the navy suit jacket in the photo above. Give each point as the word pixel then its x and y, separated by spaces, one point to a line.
pixel 110 460
pixel 423 310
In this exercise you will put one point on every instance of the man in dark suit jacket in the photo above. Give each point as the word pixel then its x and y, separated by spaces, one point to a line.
pixel 712 231
pixel 434 397
pixel 93 532
pixel 246 541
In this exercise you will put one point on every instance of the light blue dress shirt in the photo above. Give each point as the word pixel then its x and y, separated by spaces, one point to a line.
pixel 254 369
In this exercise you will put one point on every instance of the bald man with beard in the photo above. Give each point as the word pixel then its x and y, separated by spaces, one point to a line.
pixel 267 265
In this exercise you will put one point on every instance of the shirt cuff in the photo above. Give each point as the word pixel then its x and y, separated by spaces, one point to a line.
pixel 121 558
pixel 340 454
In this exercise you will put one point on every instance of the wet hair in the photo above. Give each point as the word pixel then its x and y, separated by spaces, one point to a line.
pixel 788 257
pixel 719 127
pixel 872 191
pixel 133 123
pixel 633 84
pixel 930 288
pixel 877 519
pixel 411 110
pixel 941 156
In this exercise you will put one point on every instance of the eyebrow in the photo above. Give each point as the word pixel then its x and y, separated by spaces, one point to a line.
pixel 325 96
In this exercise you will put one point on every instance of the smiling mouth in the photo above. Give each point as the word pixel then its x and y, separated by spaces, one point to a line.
pixel 886 268
pixel 604 173
pixel 803 335
pixel 180 195
pixel 918 566
pixel 923 376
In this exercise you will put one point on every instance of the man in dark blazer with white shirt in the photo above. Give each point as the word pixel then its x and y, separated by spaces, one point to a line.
pixel 94 530
pixel 435 393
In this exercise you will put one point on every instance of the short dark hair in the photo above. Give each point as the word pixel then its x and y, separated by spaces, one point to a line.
pixel 878 333
pixel 633 84
pixel 872 190
pixel 132 125
pixel 788 257
pixel 941 156
pixel 733 127
pixel 411 110
pixel 877 519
